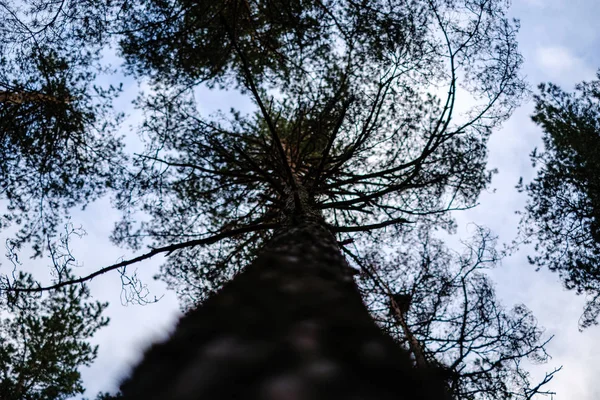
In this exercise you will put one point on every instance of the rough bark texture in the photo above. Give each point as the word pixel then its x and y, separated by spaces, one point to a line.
pixel 399 307
pixel 292 326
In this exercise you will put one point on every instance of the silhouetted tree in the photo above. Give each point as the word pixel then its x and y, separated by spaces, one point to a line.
pixel 353 130
pixel 442 307
pixel 348 137
pixel 57 145
pixel 57 141
pixel 44 340
pixel 562 215
pixel 345 121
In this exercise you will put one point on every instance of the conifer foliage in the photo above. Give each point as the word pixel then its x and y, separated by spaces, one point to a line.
pixel 57 128
pixel 44 341
pixel 359 130
pixel 562 216
pixel 346 120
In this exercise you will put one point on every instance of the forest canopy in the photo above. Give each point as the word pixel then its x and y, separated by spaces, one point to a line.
pixel 562 216
pixel 371 118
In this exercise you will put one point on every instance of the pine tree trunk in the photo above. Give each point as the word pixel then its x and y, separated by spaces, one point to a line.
pixel 292 326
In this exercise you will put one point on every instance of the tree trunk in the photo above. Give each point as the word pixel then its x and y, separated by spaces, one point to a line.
pixel 413 343
pixel 291 326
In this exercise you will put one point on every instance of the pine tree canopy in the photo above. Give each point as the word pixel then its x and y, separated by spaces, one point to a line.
pixel 562 215
pixel 57 131
pixel 44 340
pixel 347 120
pixel 369 123
pixel 355 118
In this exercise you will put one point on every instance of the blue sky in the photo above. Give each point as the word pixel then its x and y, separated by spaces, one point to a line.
pixel 560 41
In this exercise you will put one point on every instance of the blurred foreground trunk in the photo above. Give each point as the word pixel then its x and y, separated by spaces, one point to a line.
pixel 291 326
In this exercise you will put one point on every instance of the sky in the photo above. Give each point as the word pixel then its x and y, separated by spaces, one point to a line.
pixel 560 41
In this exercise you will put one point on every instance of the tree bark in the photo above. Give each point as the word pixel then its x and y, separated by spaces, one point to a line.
pixel 399 308
pixel 21 97
pixel 291 326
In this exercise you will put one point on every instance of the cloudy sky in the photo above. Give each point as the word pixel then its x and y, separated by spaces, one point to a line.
pixel 560 41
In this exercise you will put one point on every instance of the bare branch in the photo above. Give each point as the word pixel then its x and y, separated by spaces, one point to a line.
pixel 363 228
pixel 166 249
pixel 265 113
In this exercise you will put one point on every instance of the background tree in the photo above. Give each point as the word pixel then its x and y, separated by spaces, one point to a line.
pixel 441 305
pixel 44 337
pixel 57 143
pixel 562 215
pixel 57 131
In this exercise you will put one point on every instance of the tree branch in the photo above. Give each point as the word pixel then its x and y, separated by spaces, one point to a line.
pixel 20 97
pixel 327 150
pixel 362 228
pixel 270 124
pixel 166 249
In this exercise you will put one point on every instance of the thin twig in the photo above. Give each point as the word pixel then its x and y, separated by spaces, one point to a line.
pixel 166 249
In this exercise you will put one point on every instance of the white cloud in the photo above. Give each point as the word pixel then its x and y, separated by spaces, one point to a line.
pixel 556 59
pixel 536 3
pixel 559 64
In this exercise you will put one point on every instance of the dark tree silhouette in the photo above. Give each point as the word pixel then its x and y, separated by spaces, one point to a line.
pixel 562 215
pixel 44 337
pixel 350 130
pixel 441 305
pixel 291 325
pixel 348 137
pixel 353 130
pixel 57 140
